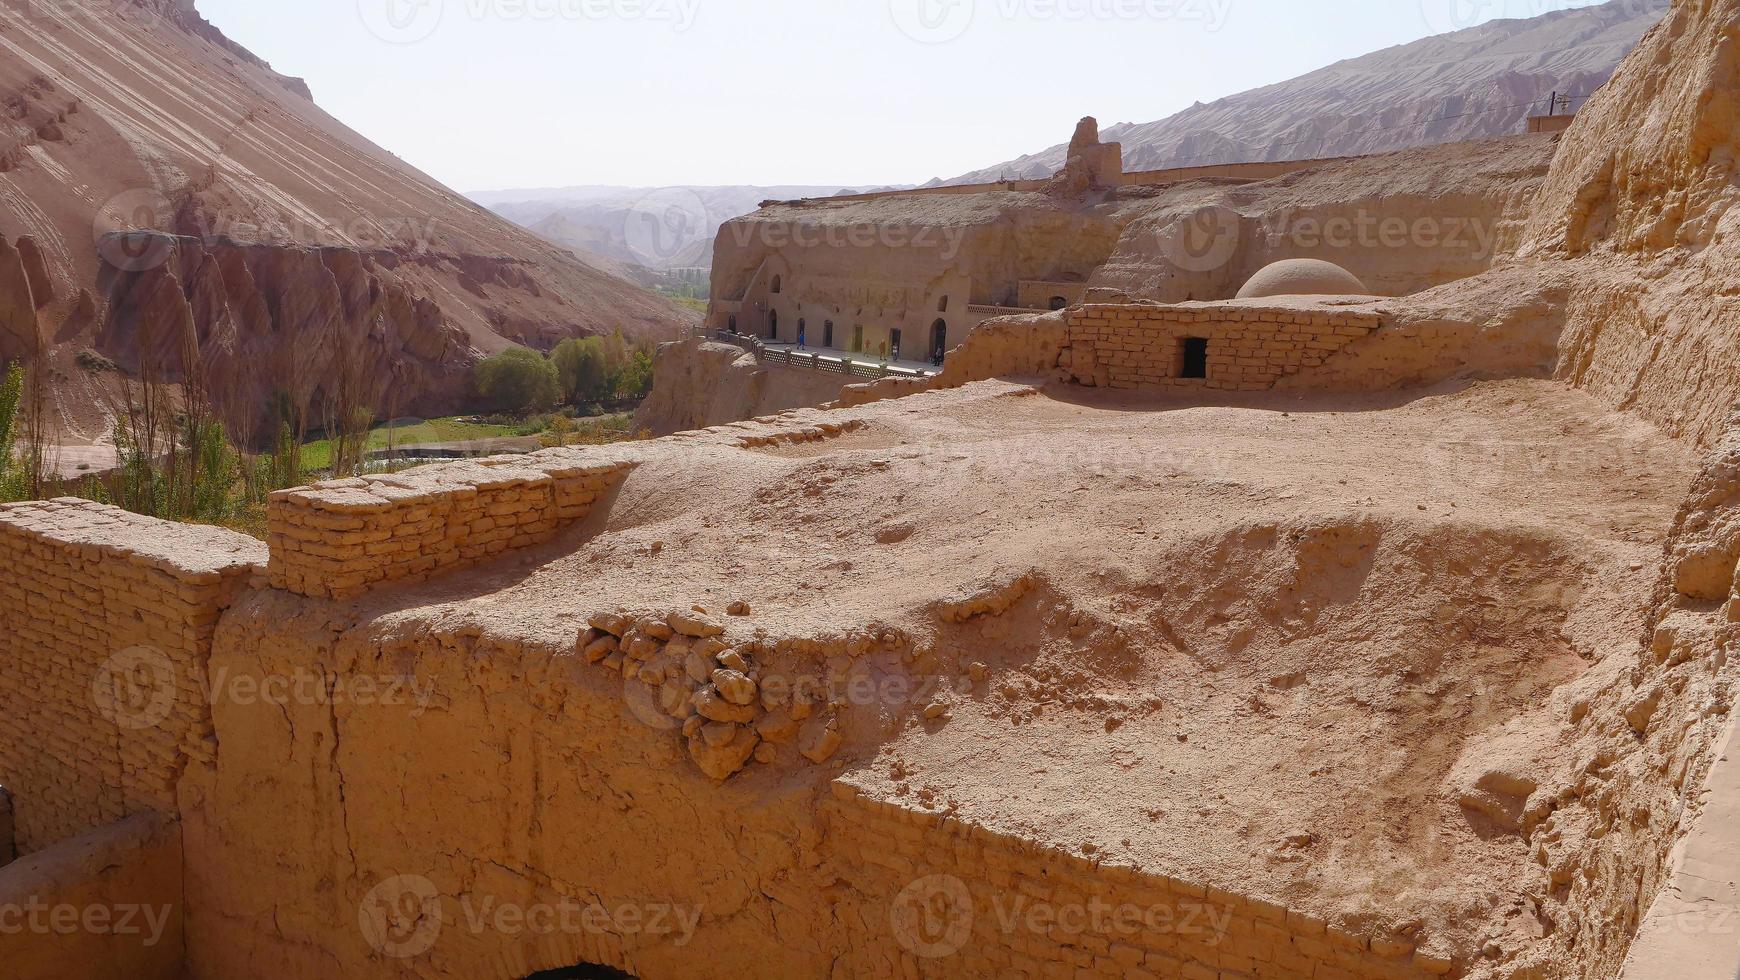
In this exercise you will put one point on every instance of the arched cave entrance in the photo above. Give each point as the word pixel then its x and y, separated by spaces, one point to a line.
pixel 1058 303
pixel 939 340
pixel 585 971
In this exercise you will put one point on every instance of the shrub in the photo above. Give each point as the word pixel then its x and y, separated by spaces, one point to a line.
pixel 517 380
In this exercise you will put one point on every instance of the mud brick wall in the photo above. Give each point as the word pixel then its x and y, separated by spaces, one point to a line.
pixel 341 539
pixel 1250 347
pixel 109 619
pixel 1032 912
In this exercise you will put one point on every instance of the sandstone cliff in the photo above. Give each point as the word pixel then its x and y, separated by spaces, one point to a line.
pixel 1642 198
pixel 1481 82
pixel 282 238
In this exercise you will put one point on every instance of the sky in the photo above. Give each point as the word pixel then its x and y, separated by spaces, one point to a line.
pixel 508 94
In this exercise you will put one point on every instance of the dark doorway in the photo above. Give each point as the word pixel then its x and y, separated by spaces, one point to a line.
pixel 584 971
pixel 1058 303
pixel 802 330
pixel 772 324
pixel 827 333
pixel 939 341
pixel 894 345
pixel 731 324
pixel 857 340
pixel 1193 358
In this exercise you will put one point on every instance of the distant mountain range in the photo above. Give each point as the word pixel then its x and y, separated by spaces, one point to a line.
pixel 1481 82
pixel 646 234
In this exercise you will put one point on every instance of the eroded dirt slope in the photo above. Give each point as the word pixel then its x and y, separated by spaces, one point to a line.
pixel 301 244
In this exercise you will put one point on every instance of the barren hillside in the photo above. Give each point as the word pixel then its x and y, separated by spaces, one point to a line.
pixel 158 184
pixel 1480 82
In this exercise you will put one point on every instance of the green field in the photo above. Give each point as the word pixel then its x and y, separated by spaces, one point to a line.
pixel 318 455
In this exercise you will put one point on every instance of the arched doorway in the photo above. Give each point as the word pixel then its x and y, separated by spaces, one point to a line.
pixel 584 971
pixel 778 285
pixel 1058 302
pixel 939 341
pixel 772 324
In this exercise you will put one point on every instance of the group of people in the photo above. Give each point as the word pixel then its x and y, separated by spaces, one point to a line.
pixel 887 353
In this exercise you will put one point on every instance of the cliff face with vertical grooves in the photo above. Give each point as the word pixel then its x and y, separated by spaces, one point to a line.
pixel 1641 198
pixel 158 183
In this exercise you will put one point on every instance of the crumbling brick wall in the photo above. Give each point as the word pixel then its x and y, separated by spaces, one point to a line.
pixel 340 539
pixel 109 619
pixel 1250 348
pixel 966 900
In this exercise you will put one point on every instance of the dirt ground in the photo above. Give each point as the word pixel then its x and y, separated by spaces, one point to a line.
pixel 1275 647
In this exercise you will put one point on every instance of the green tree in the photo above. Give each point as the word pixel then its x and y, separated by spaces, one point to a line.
pixel 12 486
pixel 583 368
pixel 636 380
pixel 517 380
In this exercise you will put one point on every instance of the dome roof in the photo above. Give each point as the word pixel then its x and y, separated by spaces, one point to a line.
pixel 1303 277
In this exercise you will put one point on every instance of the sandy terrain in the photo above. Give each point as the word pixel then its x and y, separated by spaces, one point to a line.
pixel 1272 646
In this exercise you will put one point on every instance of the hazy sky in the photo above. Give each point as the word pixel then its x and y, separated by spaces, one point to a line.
pixel 496 94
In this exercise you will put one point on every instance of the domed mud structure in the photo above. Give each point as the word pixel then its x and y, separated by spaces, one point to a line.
pixel 1303 277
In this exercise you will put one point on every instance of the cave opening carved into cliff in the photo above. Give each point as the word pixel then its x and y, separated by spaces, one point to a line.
pixel 583 971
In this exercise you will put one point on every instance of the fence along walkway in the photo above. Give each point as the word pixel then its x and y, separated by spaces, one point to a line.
pixel 817 361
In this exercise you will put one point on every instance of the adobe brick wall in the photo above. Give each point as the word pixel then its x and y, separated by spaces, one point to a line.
pixel 1250 348
pixel 1253 346
pixel 109 621
pixel 1033 910
pixel 340 539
